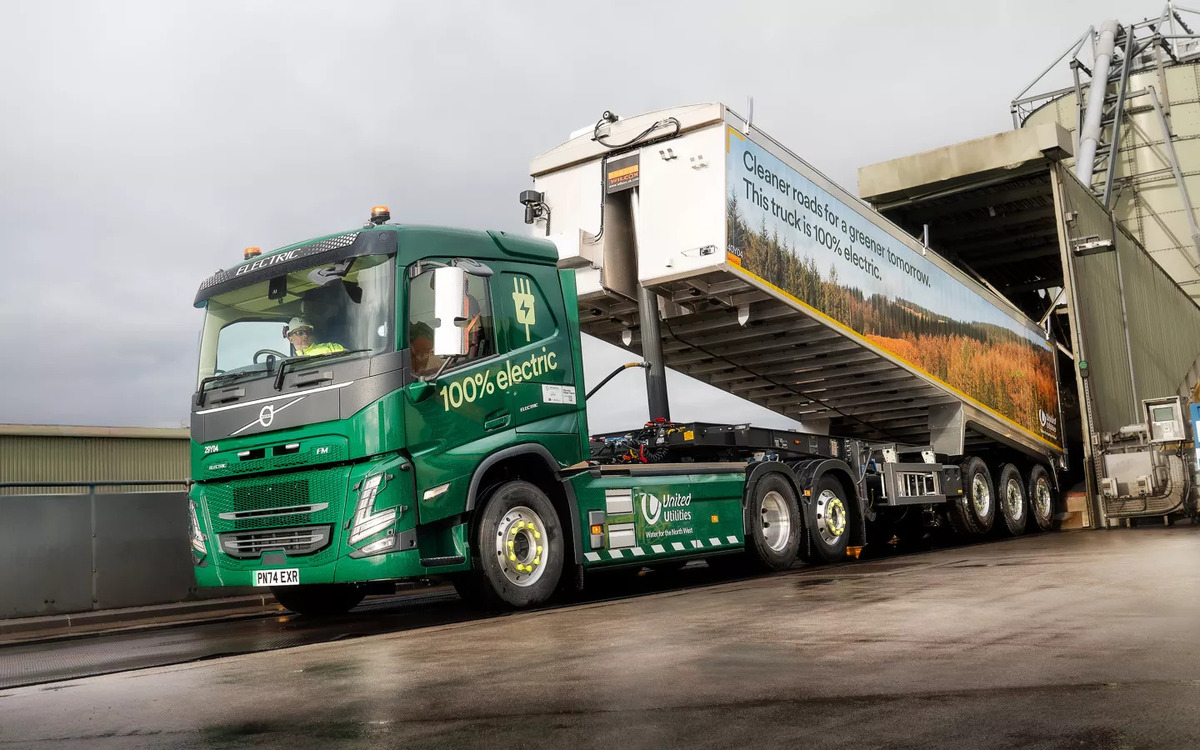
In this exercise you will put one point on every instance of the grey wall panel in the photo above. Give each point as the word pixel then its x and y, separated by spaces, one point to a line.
pixel 142 549
pixel 141 554
pixel 1164 322
pixel 45 555
pixel 1099 314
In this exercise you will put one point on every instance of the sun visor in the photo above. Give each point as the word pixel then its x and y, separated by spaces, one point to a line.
pixel 328 250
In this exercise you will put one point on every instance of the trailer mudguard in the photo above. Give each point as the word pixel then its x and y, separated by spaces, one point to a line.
pixel 809 472
pixel 754 474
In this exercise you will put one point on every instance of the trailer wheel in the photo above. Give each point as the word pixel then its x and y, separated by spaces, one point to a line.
pixel 319 599
pixel 1011 501
pixel 828 516
pixel 1041 497
pixel 973 512
pixel 773 536
pixel 519 547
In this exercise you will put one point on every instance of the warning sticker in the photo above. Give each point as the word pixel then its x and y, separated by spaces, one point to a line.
pixel 558 394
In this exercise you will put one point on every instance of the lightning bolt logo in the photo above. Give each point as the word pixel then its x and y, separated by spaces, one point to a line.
pixel 523 301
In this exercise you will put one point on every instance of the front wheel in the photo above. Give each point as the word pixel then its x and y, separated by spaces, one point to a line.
pixel 828 521
pixel 519 547
pixel 319 599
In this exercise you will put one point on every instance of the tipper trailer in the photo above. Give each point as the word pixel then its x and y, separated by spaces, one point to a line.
pixel 398 402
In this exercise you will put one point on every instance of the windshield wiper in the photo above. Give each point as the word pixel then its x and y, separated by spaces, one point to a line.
pixel 228 377
pixel 283 366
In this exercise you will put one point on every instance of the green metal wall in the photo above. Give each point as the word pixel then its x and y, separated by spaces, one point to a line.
pixel 44 454
pixel 1163 322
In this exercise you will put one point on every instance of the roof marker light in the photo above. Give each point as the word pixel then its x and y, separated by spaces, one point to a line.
pixel 251 252
pixel 380 214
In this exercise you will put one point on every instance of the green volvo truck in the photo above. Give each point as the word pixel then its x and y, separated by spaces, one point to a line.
pixel 399 402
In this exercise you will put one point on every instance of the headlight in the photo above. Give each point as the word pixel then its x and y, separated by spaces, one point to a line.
pixel 365 523
pixel 197 536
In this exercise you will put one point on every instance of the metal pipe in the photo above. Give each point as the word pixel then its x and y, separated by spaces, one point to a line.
pixel 1053 304
pixel 1111 170
pixel 95 562
pixel 1078 106
pixel 1089 136
pixel 1045 95
pixel 652 351
pixel 1169 144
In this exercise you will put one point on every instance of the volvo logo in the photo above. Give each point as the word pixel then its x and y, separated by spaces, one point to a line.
pixel 266 416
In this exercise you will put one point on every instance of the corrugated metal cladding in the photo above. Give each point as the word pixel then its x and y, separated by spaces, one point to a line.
pixel 82 454
pixel 1163 321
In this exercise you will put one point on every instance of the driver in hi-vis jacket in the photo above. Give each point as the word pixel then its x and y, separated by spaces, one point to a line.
pixel 301 336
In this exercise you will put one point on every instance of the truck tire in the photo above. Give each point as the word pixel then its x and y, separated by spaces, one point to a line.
pixel 973 512
pixel 1011 501
pixel 519 548
pixel 1040 492
pixel 828 516
pixel 773 513
pixel 319 599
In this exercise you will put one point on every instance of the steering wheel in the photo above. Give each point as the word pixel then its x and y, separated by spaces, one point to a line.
pixel 280 355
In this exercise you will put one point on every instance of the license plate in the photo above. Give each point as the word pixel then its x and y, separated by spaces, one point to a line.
pixel 277 577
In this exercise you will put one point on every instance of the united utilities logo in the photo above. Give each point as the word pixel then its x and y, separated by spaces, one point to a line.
pixel 1048 422
pixel 666 509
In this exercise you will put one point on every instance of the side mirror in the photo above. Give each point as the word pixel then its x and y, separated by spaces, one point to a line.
pixel 449 291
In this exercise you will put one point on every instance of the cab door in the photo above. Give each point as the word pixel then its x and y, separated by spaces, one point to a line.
pixel 455 412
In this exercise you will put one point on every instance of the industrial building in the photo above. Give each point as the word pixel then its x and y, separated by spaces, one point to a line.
pixel 52 455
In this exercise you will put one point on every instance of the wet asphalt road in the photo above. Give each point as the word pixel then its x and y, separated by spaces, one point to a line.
pixel 1070 640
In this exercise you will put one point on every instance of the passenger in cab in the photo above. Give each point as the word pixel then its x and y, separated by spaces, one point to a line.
pixel 420 348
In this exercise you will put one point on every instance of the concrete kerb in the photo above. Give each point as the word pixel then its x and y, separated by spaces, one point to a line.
pixel 53 627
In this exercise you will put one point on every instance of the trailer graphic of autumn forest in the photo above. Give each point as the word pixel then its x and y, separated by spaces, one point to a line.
pixel 995 366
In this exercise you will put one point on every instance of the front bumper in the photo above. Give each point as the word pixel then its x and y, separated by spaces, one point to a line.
pixel 305 520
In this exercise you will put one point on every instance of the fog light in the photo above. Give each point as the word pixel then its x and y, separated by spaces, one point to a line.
pixel 383 545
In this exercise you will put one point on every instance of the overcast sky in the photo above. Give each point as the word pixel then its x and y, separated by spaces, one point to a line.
pixel 144 144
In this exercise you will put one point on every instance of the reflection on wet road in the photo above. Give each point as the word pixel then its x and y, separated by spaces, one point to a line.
pixel 84 656
pixel 1067 640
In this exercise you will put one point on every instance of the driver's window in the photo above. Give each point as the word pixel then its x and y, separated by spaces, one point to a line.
pixel 476 324
pixel 241 340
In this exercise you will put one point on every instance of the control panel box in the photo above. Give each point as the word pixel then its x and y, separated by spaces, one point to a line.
pixel 1164 420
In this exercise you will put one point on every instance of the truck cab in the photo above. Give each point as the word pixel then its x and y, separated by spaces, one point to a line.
pixel 433 356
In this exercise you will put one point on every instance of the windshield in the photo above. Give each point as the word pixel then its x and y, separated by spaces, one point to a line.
pixel 325 309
